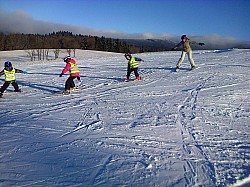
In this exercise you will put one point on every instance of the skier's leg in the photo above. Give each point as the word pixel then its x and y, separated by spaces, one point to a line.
pixel 128 72
pixel 183 54
pixel 137 77
pixel 15 85
pixel 136 72
pixel 191 60
pixel 5 86
pixel 72 83
pixel 68 84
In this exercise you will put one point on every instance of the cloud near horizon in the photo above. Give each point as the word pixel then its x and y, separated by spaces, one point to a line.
pixel 21 22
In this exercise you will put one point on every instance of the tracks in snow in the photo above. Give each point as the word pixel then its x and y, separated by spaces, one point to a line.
pixel 95 124
pixel 198 169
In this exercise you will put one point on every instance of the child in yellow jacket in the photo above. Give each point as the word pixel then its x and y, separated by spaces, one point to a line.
pixel 10 77
pixel 133 66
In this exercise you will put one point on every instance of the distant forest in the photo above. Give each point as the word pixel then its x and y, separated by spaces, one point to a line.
pixel 69 41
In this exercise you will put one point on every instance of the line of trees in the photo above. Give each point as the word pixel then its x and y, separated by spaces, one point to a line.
pixel 65 40
pixel 59 40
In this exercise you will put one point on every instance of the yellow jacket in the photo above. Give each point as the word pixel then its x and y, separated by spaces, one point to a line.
pixel 10 74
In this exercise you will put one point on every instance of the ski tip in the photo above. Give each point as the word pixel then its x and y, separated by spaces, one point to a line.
pixel 194 68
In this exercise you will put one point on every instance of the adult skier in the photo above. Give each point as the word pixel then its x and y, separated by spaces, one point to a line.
pixel 74 71
pixel 186 49
pixel 133 65
pixel 10 77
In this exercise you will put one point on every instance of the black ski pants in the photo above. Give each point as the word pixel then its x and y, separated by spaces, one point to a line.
pixel 70 83
pixel 6 85
pixel 130 70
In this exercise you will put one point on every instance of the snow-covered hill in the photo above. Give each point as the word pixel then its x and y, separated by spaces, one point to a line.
pixel 189 128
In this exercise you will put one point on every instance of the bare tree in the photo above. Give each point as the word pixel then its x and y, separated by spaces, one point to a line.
pixel 74 51
pixel 39 54
pixel 46 54
pixel 31 54
pixel 56 52
pixel 69 52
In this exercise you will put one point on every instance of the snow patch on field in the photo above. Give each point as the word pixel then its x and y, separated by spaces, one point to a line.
pixel 187 128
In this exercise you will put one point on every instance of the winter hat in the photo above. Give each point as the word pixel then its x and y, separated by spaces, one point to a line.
pixel 184 37
pixel 8 64
pixel 67 58
pixel 127 54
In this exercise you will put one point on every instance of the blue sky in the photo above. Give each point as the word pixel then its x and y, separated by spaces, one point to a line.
pixel 228 18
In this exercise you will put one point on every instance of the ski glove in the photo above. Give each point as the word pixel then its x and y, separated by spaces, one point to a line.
pixel 201 44
pixel 78 78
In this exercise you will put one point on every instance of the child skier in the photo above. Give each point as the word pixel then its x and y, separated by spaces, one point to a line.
pixel 186 49
pixel 10 77
pixel 132 66
pixel 74 71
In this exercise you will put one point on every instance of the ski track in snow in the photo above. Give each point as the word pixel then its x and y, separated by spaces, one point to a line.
pixel 187 128
pixel 197 166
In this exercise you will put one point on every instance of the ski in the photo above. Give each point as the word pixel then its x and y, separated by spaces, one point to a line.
pixel 66 93
pixel 194 68
pixel 10 93
pixel 130 80
pixel 184 69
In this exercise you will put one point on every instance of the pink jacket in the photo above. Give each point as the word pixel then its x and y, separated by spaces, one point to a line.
pixel 72 67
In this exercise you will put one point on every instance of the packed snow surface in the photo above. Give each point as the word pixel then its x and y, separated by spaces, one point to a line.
pixel 187 128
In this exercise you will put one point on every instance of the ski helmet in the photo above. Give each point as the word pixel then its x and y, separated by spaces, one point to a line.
pixel 184 37
pixel 67 58
pixel 127 54
pixel 8 64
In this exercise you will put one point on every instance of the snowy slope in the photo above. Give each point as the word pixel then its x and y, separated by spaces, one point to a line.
pixel 189 128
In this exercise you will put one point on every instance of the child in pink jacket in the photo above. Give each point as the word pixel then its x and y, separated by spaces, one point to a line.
pixel 74 71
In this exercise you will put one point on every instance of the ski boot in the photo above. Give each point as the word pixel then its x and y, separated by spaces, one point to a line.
pixel 75 88
pixel 193 67
pixel 19 90
pixel 72 88
pixel 66 92
pixel 177 69
pixel 126 79
pixel 138 78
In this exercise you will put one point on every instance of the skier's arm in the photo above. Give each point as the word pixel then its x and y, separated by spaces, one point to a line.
pixel 66 68
pixel 18 71
pixel 178 45
pixel 194 42
pixel 138 59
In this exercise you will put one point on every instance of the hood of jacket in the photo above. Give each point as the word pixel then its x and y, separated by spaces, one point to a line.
pixel 72 61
